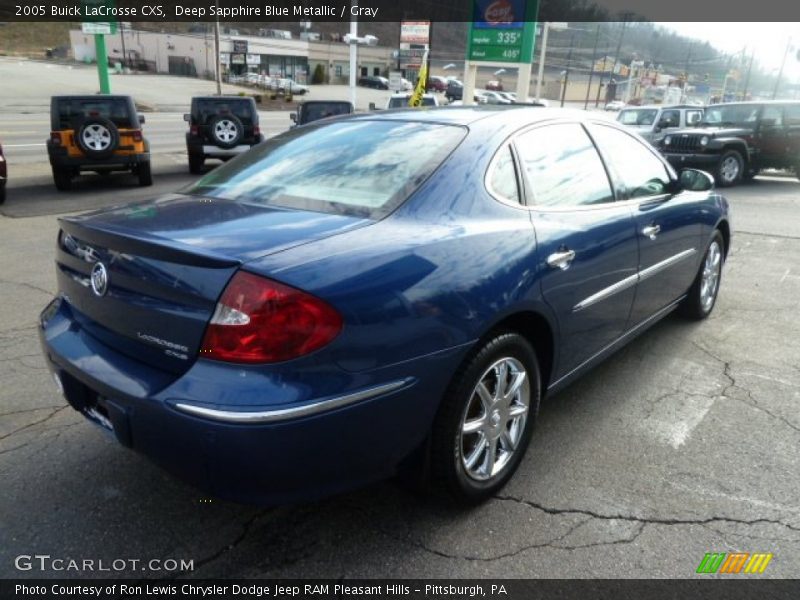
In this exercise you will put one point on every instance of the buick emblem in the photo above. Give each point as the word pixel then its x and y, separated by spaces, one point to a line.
pixel 99 279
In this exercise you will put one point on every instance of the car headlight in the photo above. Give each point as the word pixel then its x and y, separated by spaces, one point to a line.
pixel 704 140
pixel 668 140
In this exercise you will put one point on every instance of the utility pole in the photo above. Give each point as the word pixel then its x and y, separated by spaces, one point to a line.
pixel 122 38
pixel 591 70
pixel 688 59
pixel 747 77
pixel 217 66
pixel 783 64
pixel 353 55
pixel 566 73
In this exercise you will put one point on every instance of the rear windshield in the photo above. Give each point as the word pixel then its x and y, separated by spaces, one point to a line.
pixel 71 111
pixel 360 168
pixel 206 109
pixel 643 116
pixel 400 102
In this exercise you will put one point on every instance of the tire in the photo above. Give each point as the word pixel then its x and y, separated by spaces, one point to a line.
pixel 226 131
pixel 453 449
pixel 196 162
pixel 62 178
pixel 2 193
pixel 145 174
pixel 730 169
pixel 97 137
pixel 700 301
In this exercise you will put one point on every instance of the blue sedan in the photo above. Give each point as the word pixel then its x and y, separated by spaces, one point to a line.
pixel 376 293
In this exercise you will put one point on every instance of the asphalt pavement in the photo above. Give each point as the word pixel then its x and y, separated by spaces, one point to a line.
pixel 683 443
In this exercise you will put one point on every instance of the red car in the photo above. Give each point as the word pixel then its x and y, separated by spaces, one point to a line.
pixel 3 176
pixel 494 86
pixel 437 84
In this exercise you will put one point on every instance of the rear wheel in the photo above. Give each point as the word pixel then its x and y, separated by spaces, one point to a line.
pixel 730 169
pixel 62 178
pixel 2 192
pixel 486 419
pixel 702 296
pixel 145 174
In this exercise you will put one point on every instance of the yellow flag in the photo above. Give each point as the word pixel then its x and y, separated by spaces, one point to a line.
pixel 416 98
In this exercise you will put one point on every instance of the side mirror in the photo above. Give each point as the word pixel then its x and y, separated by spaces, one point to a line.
pixel 141 119
pixel 694 180
pixel 187 117
pixel 293 117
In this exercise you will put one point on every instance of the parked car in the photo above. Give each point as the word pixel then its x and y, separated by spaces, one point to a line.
pixel 289 87
pixel 436 84
pixel 220 127
pixel 331 307
pixel 373 81
pixel 99 133
pixel 736 141
pixel 455 90
pixel 401 99
pixel 493 97
pixel 314 110
pixel 3 175
pixel 615 105
pixel 653 122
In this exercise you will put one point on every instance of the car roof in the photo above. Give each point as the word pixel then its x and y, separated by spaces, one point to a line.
pixel 222 98
pixel 496 116
pixel 755 103
pixel 92 97
pixel 664 106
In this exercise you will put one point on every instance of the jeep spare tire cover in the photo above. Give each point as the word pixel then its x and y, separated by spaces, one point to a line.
pixel 226 131
pixel 97 137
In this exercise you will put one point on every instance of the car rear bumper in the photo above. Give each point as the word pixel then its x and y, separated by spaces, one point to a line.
pixel 681 161
pixel 237 435
pixel 116 162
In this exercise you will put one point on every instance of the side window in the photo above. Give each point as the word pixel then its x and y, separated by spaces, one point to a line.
pixel 792 115
pixel 639 170
pixel 503 177
pixel 563 167
pixel 772 116
pixel 669 118
pixel 693 117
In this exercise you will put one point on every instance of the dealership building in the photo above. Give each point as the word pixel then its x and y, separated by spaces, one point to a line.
pixel 276 54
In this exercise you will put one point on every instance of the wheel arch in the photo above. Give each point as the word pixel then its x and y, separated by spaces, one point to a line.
pixel 740 147
pixel 725 229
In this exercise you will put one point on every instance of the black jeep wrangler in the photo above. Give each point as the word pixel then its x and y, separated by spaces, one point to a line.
pixel 100 133
pixel 736 141
pixel 220 127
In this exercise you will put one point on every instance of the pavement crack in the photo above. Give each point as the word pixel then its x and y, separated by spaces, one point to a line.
pixel 733 385
pixel 29 425
pixel 27 285
pixel 647 520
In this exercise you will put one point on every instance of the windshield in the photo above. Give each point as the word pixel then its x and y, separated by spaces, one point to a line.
pixel 642 116
pixel 402 101
pixel 731 114
pixel 359 168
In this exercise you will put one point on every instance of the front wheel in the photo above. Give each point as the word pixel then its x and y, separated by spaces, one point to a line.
pixel 702 296
pixel 730 169
pixel 486 419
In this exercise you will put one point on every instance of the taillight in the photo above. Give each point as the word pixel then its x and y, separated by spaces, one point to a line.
pixel 258 320
pixel 256 130
pixel 137 135
pixel 194 130
pixel 55 137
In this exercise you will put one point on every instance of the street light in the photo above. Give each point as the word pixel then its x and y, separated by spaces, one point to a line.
pixel 556 26
pixel 353 41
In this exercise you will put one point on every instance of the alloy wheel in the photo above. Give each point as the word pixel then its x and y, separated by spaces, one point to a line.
pixel 710 278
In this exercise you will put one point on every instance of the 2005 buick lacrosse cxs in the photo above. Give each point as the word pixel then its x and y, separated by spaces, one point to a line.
pixel 374 291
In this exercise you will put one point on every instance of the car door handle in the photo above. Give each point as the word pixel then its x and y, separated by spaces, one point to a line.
pixel 561 259
pixel 651 231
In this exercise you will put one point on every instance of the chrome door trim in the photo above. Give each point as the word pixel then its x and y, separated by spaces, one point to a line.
pixel 664 264
pixel 621 285
pixel 632 280
pixel 294 412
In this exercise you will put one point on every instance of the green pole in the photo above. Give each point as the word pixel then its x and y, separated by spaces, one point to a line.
pixel 102 63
